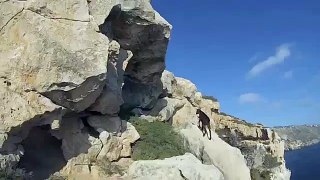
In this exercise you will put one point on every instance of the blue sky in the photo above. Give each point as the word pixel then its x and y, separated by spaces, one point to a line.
pixel 261 59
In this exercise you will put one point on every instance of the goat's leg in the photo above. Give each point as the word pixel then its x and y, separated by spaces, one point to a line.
pixel 209 131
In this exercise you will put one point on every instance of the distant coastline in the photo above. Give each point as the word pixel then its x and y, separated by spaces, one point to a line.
pixel 297 137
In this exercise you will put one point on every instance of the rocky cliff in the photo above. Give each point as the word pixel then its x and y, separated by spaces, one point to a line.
pixel 297 137
pixel 68 69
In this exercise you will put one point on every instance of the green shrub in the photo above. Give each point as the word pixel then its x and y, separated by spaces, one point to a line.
pixel 8 175
pixel 158 140
pixel 109 168
pixel 210 98
pixel 57 177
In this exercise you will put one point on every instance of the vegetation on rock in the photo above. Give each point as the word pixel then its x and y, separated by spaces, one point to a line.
pixel 8 175
pixel 210 98
pixel 158 140
pixel 109 168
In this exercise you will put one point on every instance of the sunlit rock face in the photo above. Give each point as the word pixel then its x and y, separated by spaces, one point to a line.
pixel 57 60
pixel 67 68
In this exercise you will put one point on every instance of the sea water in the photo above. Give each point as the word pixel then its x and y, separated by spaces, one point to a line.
pixel 304 163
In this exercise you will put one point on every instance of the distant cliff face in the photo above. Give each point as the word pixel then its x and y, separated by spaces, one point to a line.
pixel 297 137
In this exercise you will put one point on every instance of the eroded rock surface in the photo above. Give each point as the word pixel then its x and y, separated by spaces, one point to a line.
pixel 226 158
pixel 72 65
pixel 175 168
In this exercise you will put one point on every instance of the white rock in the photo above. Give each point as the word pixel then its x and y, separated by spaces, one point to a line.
pixel 185 115
pixel 226 158
pixel 175 168
pixel 169 82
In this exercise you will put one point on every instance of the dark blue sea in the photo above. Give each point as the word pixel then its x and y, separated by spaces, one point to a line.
pixel 304 163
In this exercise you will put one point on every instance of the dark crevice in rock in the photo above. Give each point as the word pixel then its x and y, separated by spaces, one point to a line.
pixel 63 84
pixel 137 30
pixel 39 151
pixel 92 131
pixel 55 18
pixel 114 14
pixel 181 174
pixel 11 19
pixel 18 133
pixel 43 155
pixel 80 98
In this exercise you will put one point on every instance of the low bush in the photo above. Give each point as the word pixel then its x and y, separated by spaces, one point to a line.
pixel 9 175
pixel 158 140
pixel 210 98
pixel 109 168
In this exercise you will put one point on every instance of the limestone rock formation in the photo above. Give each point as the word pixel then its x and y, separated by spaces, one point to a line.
pixel 226 158
pixel 175 168
pixel 262 148
pixel 70 67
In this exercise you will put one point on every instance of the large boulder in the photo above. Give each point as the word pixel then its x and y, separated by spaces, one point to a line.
pixel 226 158
pixel 48 57
pixel 139 28
pixel 169 83
pixel 165 108
pixel 185 115
pixel 175 168
pixel 110 99
pixel 111 124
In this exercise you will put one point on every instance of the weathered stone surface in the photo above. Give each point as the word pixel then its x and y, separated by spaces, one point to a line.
pixel 46 58
pixel 108 147
pixel 8 10
pixel 76 139
pixel 186 92
pixel 76 10
pixel 19 112
pixel 137 27
pixel 165 108
pixel 117 147
pixel 169 82
pixel 128 137
pixel 185 115
pixel 185 89
pixel 19 107
pixel 226 158
pixel 262 147
pixel 180 167
pixel 110 99
pixel 110 124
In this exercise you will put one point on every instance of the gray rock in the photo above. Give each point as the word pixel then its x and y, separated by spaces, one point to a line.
pixel 142 30
pixel 165 108
pixel 110 99
pixel 112 124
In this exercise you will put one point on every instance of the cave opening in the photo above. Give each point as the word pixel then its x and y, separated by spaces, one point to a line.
pixel 43 155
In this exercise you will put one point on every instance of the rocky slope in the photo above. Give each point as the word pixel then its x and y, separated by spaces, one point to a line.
pixel 68 68
pixel 297 137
